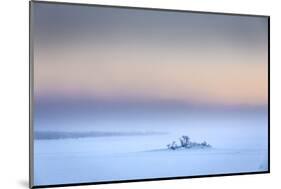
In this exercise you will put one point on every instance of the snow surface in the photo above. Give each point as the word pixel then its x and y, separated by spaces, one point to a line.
pixel 238 146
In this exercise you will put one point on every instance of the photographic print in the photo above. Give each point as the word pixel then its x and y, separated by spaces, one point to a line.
pixel 126 94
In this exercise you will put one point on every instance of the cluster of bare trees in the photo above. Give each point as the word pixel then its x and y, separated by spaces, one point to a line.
pixel 186 143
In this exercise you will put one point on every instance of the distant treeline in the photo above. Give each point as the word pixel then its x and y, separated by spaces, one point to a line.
pixel 48 135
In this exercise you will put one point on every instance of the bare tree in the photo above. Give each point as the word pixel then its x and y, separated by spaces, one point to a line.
pixel 184 140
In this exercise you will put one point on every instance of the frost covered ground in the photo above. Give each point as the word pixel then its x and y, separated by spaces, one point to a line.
pixel 238 146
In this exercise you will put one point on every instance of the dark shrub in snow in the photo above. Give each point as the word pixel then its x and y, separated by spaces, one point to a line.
pixel 186 143
pixel 173 146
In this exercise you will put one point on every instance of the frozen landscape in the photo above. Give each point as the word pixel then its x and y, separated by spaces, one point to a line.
pixel 239 144
pixel 113 90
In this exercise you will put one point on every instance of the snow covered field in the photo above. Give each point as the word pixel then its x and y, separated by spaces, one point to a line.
pixel 239 145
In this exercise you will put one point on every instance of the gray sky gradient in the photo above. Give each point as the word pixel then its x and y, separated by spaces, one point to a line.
pixel 58 25
pixel 110 53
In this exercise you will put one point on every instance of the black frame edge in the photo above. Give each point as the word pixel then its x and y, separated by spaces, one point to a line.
pixel 268 92
pixel 31 160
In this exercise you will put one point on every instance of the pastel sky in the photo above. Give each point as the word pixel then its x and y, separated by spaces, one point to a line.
pixel 145 55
